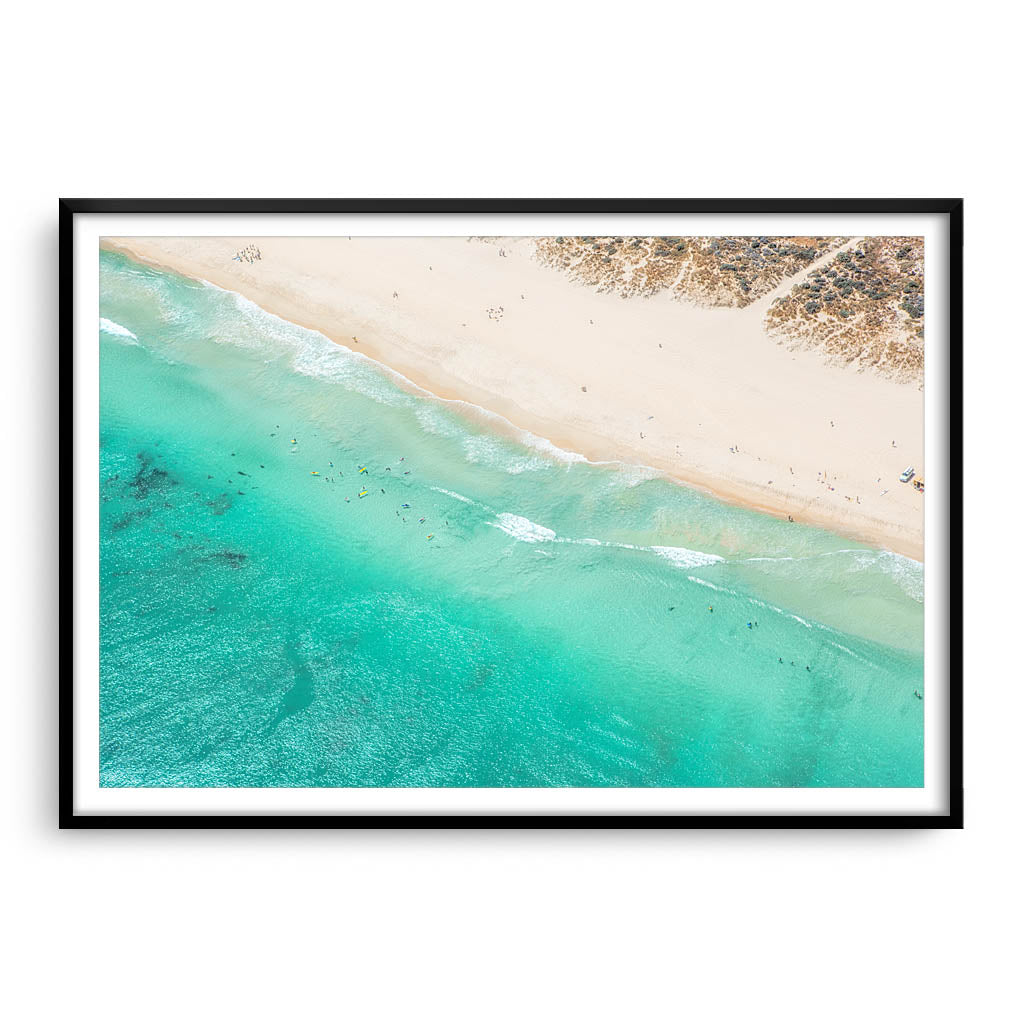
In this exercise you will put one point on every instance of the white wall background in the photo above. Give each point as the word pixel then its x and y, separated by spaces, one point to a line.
pixel 797 99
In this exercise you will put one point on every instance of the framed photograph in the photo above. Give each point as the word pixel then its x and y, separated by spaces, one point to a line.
pixel 512 512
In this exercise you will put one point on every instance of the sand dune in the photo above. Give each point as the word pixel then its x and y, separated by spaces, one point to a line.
pixel 702 394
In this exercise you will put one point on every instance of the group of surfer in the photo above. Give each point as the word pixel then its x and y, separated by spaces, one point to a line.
pixel 365 491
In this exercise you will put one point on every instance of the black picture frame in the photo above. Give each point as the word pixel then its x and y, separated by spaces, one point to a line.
pixel 950 208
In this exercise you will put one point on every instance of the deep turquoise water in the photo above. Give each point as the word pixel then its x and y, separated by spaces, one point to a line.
pixel 257 629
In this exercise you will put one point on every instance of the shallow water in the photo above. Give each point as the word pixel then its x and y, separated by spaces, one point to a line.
pixel 567 624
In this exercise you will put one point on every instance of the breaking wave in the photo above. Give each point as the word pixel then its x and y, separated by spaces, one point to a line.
pixel 905 572
pixel 526 530
pixel 455 495
pixel 523 529
pixel 109 327
pixel 685 558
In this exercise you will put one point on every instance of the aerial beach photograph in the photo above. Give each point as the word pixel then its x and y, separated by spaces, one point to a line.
pixel 516 511
pixel 506 494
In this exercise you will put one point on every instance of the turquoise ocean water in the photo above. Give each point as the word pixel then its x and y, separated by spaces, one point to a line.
pixel 257 629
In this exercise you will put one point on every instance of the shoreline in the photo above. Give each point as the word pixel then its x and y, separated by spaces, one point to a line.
pixel 445 340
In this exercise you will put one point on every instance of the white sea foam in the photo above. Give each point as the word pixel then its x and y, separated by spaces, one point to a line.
pixel 109 327
pixel 435 420
pixel 908 573
pixel 523 529
pixel 347 368
pixel 632 476
pixel 454 494
pixel 548 448
pixel 685 558
pixel 852 654
pixel 497 454
pixel 707 583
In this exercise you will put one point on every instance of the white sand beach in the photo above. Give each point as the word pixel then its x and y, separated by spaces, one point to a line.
pixel 701 394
